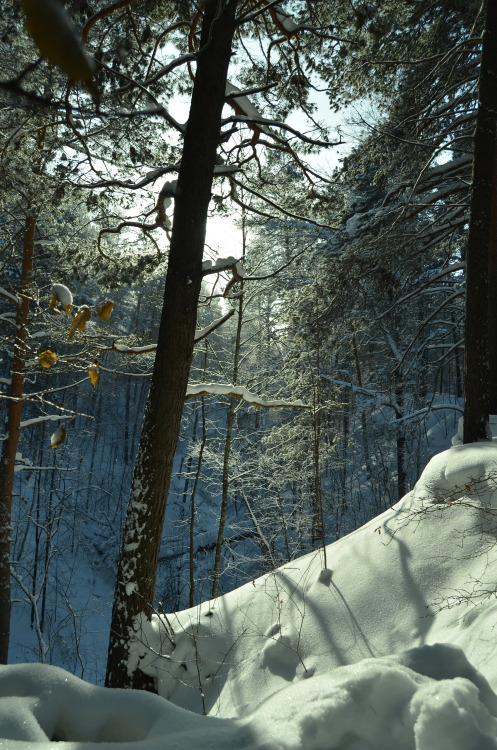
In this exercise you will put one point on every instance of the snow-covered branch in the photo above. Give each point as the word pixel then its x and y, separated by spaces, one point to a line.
pixel 346 384
pixel 30 467
pixel 148 179
pixel 427 409
pixel 124 349
pixel 238 391
pixel 38 420
pixel 265 124
pixel 152 348
pixel 203 332
pixel 221 264
pixel 8 295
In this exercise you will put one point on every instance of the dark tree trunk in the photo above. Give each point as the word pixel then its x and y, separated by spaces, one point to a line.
pixel 161 424
pixel 480 295
pixel 13 429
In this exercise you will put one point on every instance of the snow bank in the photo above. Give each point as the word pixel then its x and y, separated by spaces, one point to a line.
pixel 423 572
pixel 372 705
pixel 464 472
pixel 389 646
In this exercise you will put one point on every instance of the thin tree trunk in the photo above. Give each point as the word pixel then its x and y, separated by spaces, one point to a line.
pixel 400 440
pixel 14 415
pixel 482 246
pixel 227 449
pixel 191 555
pixel 216 574
pixel 137 568
pixel 364 423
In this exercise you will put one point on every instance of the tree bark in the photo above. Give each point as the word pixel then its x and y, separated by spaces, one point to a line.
pixel 13 427
pixel 135 582
pixel 480 295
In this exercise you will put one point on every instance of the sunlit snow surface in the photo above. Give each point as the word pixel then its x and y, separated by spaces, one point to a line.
pixel 391 644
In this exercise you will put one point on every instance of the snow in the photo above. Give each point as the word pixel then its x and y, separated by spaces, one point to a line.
pixel 491 429
pixel 63 294
pixel 201 333
pixel 244 107
pixel 134 349
pixel 239 391
pixel 389 644
pixel 462 472
pixel 285 21
pixel 221 264
pixel 39 420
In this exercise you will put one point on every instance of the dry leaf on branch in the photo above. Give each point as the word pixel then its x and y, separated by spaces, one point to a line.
pixel 104 310
pixel 47 358
pixel 94 372
pixel 79 320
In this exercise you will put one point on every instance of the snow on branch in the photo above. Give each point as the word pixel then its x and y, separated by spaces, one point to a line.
pixel 8 318
pixel 8 295
pixel 38 420
pixel 124 349
pixel 221 264
pixel 281 20
pixel 152 348
pixel 149 178
pixel 203 332
pixel 32 467
pixel 427 410
pixel 346 384
pixel 244 108
pixel 264 125
pixel 238 391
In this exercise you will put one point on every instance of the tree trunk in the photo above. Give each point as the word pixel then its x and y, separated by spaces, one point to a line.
pixel 482 245
pixel 13 429
pixel 162 420
pixel 230 418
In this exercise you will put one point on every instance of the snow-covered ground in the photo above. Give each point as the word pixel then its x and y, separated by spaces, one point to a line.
pixel 389 642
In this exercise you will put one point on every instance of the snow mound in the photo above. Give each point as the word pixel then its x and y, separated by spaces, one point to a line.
pixel 388 643
pixel 375 704
pixel 466 472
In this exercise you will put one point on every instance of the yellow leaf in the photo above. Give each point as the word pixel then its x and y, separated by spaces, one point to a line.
pixel 104 310
pixel 52 31
pixel 85 313
pixel 47 358
pixel 94 372
pixel 79 320
pixel 58 436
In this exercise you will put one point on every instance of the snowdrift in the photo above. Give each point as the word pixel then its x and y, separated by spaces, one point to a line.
pixel 389 642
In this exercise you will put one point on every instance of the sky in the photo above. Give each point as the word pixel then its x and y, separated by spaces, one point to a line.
pixel 384 640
